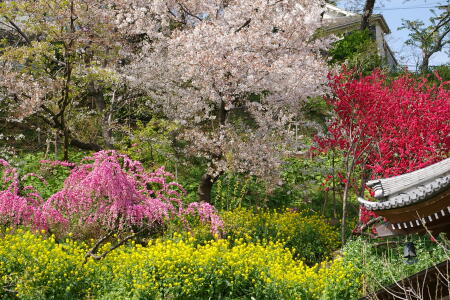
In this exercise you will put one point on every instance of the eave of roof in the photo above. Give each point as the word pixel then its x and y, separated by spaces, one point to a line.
pixel 350 21
pixel 392 53
pixel 339 10
pixel 410 188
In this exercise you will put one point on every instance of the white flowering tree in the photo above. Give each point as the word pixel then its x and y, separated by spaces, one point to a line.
pixel 60 63
pixel 234 74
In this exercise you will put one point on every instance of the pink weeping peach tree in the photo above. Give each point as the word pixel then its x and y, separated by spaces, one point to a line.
pixel 107 193
pixel 23 205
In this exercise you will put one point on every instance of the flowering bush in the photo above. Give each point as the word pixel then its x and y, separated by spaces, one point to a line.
pixel 107 193
pixel 23 205
pixel 116 193
pixel 37 268
pixel 307 233
pixel 32 266
pixel 385 127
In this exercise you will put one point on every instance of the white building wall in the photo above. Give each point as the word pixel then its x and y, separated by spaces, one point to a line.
pixel 380 40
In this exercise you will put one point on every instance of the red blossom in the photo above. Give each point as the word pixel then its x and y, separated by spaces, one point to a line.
pixel 388 126
pixel 401 125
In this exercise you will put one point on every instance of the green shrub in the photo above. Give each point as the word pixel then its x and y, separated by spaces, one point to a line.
pixel 304 231
pixel 358 50
pixel 381 265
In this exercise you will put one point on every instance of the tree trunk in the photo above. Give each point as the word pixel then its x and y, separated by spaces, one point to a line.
pixel 207 181
pixel 205 187
pixel 348 176
pixel 368 9
pixel 223 113
pixel 365 175
pixel 62 115
pixel 99 100
pixel 334 185
pixel 66 144
pixel 424 65
pixel 344 210
pixel 325 202
pixel 56 145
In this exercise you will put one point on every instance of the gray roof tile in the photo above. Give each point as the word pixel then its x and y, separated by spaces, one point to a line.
pixel 410 188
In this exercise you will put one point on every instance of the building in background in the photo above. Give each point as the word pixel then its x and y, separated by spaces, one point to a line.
pixel 338 21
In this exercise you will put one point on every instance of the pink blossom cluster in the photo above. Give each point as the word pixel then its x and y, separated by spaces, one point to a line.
pixel 207 214
pixel 108 190
pixel 23 206
pixel 58 163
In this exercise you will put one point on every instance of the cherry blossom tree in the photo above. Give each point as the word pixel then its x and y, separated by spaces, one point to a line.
pixel 234 74
pixel 62 59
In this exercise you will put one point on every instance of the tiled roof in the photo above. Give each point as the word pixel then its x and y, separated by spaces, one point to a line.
pixel 348 21
pixel 410 188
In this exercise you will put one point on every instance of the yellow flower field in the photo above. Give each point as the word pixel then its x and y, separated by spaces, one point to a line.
pixel 33 266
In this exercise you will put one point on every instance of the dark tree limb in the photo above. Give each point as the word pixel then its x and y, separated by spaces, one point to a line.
pixel 205 187
pixel 368 9
pixel 28 40
pixel 19 31
pixel 54 123
pixel 371 222
pixel 243 25
pixel 91 253
pixel 188 12
pixel 97 245
pixel 359 229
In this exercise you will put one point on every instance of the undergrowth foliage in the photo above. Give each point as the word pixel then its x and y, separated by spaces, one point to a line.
pixel 382 264
pixel 310 237
pixel 106 193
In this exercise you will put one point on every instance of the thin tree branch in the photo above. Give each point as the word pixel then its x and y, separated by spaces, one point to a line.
pixel 371 222
pixel 17 28
pixel 91 253
pixel 188 12
pixel 243 25
pixel 97 245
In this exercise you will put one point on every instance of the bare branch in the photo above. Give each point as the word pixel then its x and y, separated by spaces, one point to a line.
pixel 188 12
pixel 92 252
pixel 17 28
pixel 243 25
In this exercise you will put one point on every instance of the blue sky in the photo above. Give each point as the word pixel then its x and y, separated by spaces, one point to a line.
pixel 396 10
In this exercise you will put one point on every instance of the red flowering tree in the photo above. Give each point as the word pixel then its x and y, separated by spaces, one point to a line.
pixel 386 127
